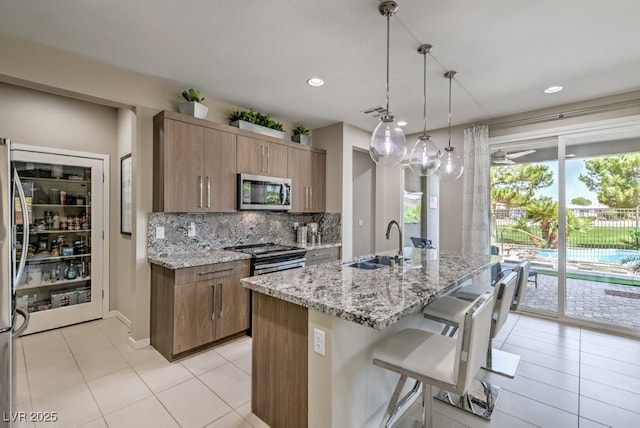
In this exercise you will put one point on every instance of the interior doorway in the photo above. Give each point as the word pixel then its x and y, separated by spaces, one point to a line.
pixel 364 179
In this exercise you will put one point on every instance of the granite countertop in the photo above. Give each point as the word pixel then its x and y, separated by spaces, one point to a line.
pixel 309 246
pixel 374 298
pixel 185 259
pixel 197 258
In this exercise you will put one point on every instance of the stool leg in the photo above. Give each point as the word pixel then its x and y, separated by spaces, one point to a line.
pixel 391 408
pixel 427 406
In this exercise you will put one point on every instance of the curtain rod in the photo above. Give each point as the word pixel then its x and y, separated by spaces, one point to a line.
pixel 565 115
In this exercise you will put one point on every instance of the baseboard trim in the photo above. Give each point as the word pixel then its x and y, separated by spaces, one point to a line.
pixel 117 314
pixel 139 344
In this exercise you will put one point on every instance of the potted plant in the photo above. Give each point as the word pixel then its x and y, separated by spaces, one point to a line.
pixel 301 135
pixel 261 123
pixel 192 106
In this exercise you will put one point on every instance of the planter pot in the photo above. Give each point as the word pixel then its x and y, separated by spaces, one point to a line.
pixel 257 128
pixel 193 108
pixel 302 139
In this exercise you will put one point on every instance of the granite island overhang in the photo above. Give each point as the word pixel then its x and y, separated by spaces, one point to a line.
pixel 353 308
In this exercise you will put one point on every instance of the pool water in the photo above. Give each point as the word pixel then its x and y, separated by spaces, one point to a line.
pixel 602 255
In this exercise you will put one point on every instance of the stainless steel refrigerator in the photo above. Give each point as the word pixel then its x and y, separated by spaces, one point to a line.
pixel 13 321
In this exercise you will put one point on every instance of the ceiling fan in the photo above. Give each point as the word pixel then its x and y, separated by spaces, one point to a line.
pixel 504 158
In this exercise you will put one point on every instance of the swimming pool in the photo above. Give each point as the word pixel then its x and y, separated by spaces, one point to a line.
pixel 601 255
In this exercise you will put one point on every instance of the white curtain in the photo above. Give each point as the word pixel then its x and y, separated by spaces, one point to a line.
pixel 475 197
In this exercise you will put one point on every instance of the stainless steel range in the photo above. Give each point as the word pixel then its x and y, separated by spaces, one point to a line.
pixel 267 258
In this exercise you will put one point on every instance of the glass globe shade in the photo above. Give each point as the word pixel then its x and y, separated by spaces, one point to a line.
pixel 387 146
pixel 451 168
pixel 425 157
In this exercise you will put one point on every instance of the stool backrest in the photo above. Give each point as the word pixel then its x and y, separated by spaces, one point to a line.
pixel 523 269
pixel 471 351
pixel 504 298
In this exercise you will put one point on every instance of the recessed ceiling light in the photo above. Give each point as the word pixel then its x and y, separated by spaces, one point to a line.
pixel 315 81
pixel 553 89
pixel 402 123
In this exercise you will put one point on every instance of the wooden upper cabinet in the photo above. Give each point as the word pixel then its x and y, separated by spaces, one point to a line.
pixel 194 168
pixel 178 162
pixel 318 182
pixel 219 171
pixel 260 157
pixel 299 164
pixel 307 172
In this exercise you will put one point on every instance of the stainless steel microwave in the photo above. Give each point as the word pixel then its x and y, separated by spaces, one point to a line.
pixel 258 192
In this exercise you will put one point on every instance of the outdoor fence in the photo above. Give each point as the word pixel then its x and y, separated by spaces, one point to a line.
pixel 610 228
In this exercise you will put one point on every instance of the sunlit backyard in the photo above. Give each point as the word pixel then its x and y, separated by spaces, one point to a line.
pixel 602 236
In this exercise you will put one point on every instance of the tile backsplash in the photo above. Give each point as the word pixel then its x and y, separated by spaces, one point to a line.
pixel 217 230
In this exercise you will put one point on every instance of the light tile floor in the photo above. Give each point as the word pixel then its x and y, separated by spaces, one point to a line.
pixel 89 375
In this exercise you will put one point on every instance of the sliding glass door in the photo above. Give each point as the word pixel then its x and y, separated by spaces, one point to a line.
pixel 524 203
pixel 602 204
pixel 571 204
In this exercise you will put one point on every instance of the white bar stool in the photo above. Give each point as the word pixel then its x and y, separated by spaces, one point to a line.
pixel 444 362
pixel 448 310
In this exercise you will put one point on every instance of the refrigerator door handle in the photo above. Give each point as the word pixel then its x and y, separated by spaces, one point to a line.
pixel 25 234
pixel 25 324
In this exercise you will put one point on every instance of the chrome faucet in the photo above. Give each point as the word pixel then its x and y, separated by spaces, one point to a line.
pixel 400 254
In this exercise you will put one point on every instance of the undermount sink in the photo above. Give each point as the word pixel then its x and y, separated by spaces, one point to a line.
pixel 376 262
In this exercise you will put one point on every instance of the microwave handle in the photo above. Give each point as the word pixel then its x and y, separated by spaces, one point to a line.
pixel 285 193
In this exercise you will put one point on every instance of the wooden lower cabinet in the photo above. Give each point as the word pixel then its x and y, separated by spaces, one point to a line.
pixel 279 362
pixel 322 255
pixel 195 307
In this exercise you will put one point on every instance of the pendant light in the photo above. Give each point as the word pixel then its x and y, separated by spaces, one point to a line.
pixel 451 168
pixel 387 146
pixel 425 156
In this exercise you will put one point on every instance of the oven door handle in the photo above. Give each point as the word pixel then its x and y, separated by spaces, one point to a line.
pixel 281 263
pixel 278 269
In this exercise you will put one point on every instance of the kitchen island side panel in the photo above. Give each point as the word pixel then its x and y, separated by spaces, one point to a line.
pixel 279 390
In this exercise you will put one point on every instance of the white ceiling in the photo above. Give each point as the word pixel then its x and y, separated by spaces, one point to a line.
pixel 257 53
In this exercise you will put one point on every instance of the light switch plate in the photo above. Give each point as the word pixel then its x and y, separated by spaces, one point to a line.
pixel 192 230
pixel 159 232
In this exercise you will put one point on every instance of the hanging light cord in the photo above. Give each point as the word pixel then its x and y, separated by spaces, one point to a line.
pixel 449 75
pixel 388 29
pixel 424 100
pixel 450 79
pixel 424 50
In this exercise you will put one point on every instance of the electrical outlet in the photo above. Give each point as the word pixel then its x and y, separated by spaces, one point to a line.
pixel 360 222
pixel 159 232
pixel 318 341
pixel 192 230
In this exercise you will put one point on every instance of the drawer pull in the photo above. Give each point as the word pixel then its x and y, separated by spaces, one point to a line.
pixel 215 271
pixel 320 255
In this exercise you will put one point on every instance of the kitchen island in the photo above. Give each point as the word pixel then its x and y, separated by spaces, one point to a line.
pixel 353 308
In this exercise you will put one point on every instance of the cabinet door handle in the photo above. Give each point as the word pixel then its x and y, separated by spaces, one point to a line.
pixel 310 197
pixel 221 288
pixel 267 159
pixel 208 192
pixel 215 271
pixel 200 191
pixel 213 301
pixel 261 158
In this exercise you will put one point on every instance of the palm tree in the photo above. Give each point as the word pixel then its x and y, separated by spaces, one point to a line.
pixel 544 211
pixel 633 262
